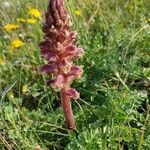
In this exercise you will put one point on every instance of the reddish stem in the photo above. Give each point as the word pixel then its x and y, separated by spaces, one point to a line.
pixel 66 104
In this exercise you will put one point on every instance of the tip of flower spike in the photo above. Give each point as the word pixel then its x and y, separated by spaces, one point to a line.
pixel 73 93
pixel 59 2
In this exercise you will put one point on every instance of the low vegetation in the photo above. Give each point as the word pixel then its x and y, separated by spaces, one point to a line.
pixel 113 110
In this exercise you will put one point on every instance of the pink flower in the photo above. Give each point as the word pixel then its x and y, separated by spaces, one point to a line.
pixel 77 71
pixel 57 83
pixel 49 68
pixel 73 93
pixel 65 65
pixel 59 50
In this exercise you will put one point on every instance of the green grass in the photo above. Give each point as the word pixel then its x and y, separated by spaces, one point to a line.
pixel 114 108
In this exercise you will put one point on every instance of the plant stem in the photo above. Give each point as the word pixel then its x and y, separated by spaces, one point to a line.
pixel 66 104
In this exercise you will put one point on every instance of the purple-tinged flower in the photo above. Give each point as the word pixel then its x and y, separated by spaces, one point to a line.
pixel 57 83
pixel 49 68
pixel 77 71
pixel 59 50
pixel 73 93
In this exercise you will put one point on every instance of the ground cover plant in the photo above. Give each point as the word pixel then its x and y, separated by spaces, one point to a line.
pixel 112 112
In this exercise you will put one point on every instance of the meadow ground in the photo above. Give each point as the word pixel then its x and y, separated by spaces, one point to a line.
pixel 113 111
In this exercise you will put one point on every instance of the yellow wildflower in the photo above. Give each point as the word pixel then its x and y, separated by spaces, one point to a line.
pixel 16 44
pixel 34 12
pixel 24 89
pixel 10 27
pixel 10 95
pixel 77 12
pixel 2 61
pixel 31 21
pixel 21 20
pixel 148 20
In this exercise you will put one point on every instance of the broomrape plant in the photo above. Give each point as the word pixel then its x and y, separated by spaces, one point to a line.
pixel 59 50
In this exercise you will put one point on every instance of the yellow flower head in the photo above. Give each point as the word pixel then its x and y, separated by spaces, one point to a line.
pixel 148 20
pixel 9 27
pixel 16 44
pixel 77 12
pixel 25 89
pixel 21 20
pixel 34 12
pixel 2 61
pixel 30 21
pixel 10 95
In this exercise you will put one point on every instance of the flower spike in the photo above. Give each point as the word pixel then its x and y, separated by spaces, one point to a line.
pixel 59 50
